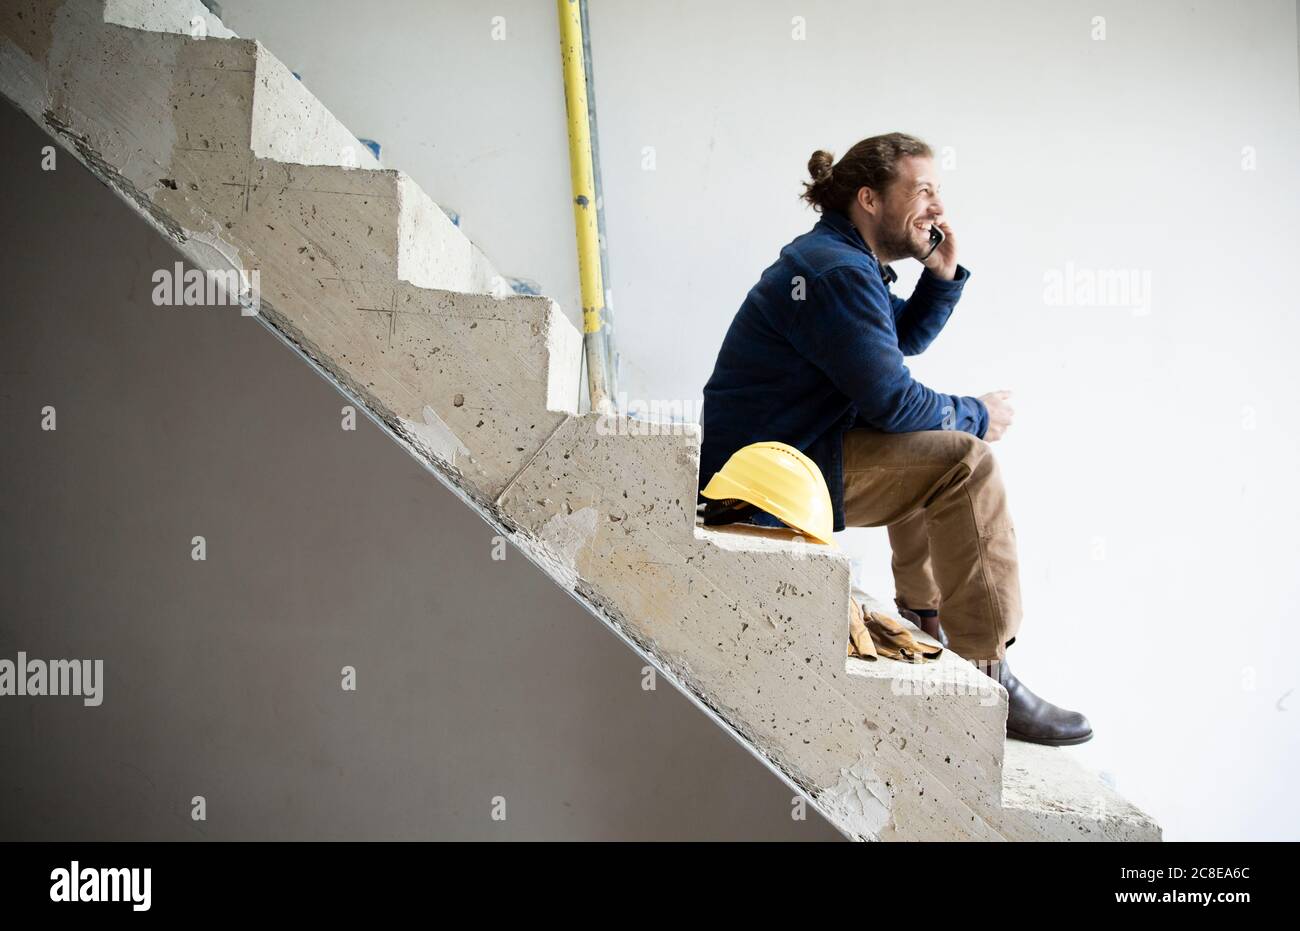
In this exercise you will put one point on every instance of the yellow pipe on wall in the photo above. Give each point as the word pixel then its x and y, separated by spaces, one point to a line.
pixel 584 197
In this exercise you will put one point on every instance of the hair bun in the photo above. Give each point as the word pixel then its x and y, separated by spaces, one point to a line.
pixel 819 166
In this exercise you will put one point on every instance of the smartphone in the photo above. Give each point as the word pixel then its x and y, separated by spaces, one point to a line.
pixel 936 237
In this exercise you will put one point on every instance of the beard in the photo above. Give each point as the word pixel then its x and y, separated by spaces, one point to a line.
pixel 898 241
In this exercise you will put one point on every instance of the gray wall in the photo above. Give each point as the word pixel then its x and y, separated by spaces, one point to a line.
pixel 476 678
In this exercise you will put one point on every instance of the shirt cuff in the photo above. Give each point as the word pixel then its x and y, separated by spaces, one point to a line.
pixel 959 277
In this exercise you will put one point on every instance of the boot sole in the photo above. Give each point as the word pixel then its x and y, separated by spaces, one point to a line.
pixel 1051 741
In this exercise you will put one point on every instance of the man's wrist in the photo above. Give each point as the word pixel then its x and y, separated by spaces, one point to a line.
pixel 944 272
pixel 957 274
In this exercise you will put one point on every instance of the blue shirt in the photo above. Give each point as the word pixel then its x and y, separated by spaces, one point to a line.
pixel 817 348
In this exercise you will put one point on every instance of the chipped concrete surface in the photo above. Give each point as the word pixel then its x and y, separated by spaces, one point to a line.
pixel 438 439
pixel 561 538
pixel 861 802
pixel 364 275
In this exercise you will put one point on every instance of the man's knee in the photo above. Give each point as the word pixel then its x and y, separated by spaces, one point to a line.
pixel 965 447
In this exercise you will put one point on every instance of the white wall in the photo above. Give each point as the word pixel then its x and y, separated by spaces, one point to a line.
pixel 1151 467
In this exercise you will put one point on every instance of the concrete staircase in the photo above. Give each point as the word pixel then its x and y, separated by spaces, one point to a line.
pixel 215 143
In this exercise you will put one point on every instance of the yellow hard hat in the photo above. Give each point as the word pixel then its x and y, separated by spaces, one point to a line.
pixel 783 482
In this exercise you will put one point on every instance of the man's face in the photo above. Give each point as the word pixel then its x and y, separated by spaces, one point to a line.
pixel 908 210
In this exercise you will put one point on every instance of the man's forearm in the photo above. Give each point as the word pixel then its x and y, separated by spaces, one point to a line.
pixel 923 315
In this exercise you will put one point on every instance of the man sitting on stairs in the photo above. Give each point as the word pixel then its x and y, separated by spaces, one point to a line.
pixel 815 358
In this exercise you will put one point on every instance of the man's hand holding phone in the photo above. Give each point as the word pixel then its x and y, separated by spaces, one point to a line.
pixel 1000 414
pixel 942 257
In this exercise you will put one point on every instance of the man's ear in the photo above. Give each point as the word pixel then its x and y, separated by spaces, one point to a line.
pixel 869 201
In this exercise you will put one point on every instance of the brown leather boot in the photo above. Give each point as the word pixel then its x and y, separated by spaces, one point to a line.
pixel 1037 720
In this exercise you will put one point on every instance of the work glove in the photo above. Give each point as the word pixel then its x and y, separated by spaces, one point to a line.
pixel 874 635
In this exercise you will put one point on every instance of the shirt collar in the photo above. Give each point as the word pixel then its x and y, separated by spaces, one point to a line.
pixel 840 223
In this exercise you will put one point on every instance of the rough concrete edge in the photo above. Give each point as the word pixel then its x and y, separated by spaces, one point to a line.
pixel 80 147
pixel 1031 768
pixel 1042 825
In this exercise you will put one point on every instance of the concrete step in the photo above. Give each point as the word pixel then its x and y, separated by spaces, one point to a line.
pixel 1047 794
pixel 281 118
pixel 138 96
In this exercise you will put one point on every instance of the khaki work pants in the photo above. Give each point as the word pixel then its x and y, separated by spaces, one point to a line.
pixel 940 494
